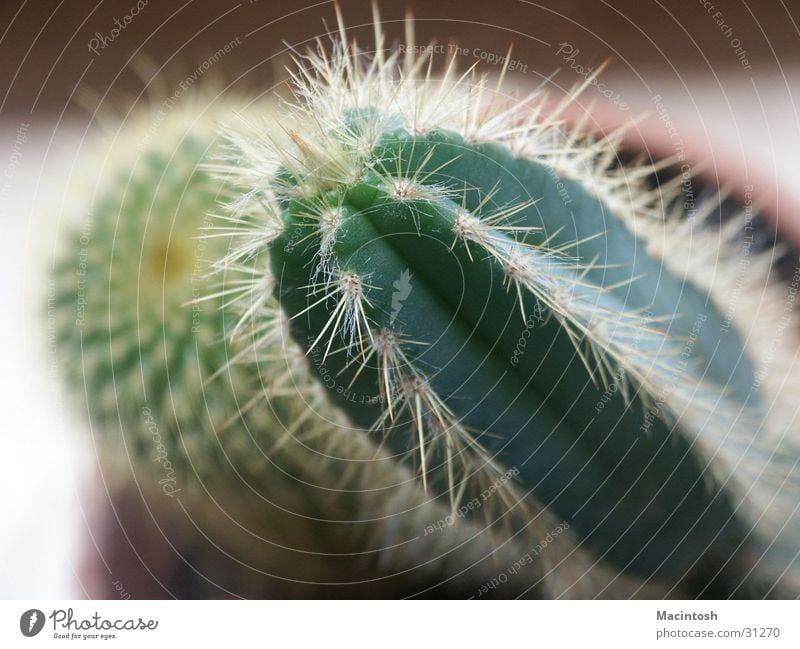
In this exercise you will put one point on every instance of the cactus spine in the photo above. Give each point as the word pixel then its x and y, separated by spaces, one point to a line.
pixel 175 408
pixel 477 280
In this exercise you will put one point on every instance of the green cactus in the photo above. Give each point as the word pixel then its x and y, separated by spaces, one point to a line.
pixel 177 411
pixel 483 289
pixel 124 337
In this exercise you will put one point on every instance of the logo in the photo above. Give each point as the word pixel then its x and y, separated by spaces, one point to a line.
pixel 31 622
pixel 402 289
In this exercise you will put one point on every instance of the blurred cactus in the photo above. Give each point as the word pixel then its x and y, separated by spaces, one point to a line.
pixel 134 355
pixel 485 290
pixel 249 445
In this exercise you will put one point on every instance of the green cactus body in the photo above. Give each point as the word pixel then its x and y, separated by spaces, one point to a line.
pixel 459 319
pixel 298 494
pixel 477 281
pixel 127 338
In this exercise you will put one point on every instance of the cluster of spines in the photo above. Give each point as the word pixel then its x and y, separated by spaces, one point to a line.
pixel 605 339
pixel 272 430
pixel 326 151
pixel 381 488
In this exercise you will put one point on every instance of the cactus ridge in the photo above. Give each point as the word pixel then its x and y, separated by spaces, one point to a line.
pixel 388 172
pixel 242 432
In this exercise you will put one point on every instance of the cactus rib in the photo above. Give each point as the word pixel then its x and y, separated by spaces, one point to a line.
pixel 389 173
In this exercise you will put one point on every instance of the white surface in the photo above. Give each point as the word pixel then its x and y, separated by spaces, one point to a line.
pixel 43 462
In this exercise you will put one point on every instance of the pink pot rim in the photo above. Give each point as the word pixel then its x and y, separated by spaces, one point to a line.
pixel 649 135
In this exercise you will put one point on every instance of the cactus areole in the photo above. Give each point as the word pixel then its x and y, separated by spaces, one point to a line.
pixel 477 287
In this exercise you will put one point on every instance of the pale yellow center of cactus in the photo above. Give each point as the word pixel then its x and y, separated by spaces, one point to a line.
pixel 170 262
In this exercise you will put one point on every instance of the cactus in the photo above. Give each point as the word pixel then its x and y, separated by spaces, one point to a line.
pixel 482 289
pixel 133 262
pixel 177 411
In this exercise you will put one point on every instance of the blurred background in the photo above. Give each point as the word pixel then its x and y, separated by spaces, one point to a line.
pixel 716 79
